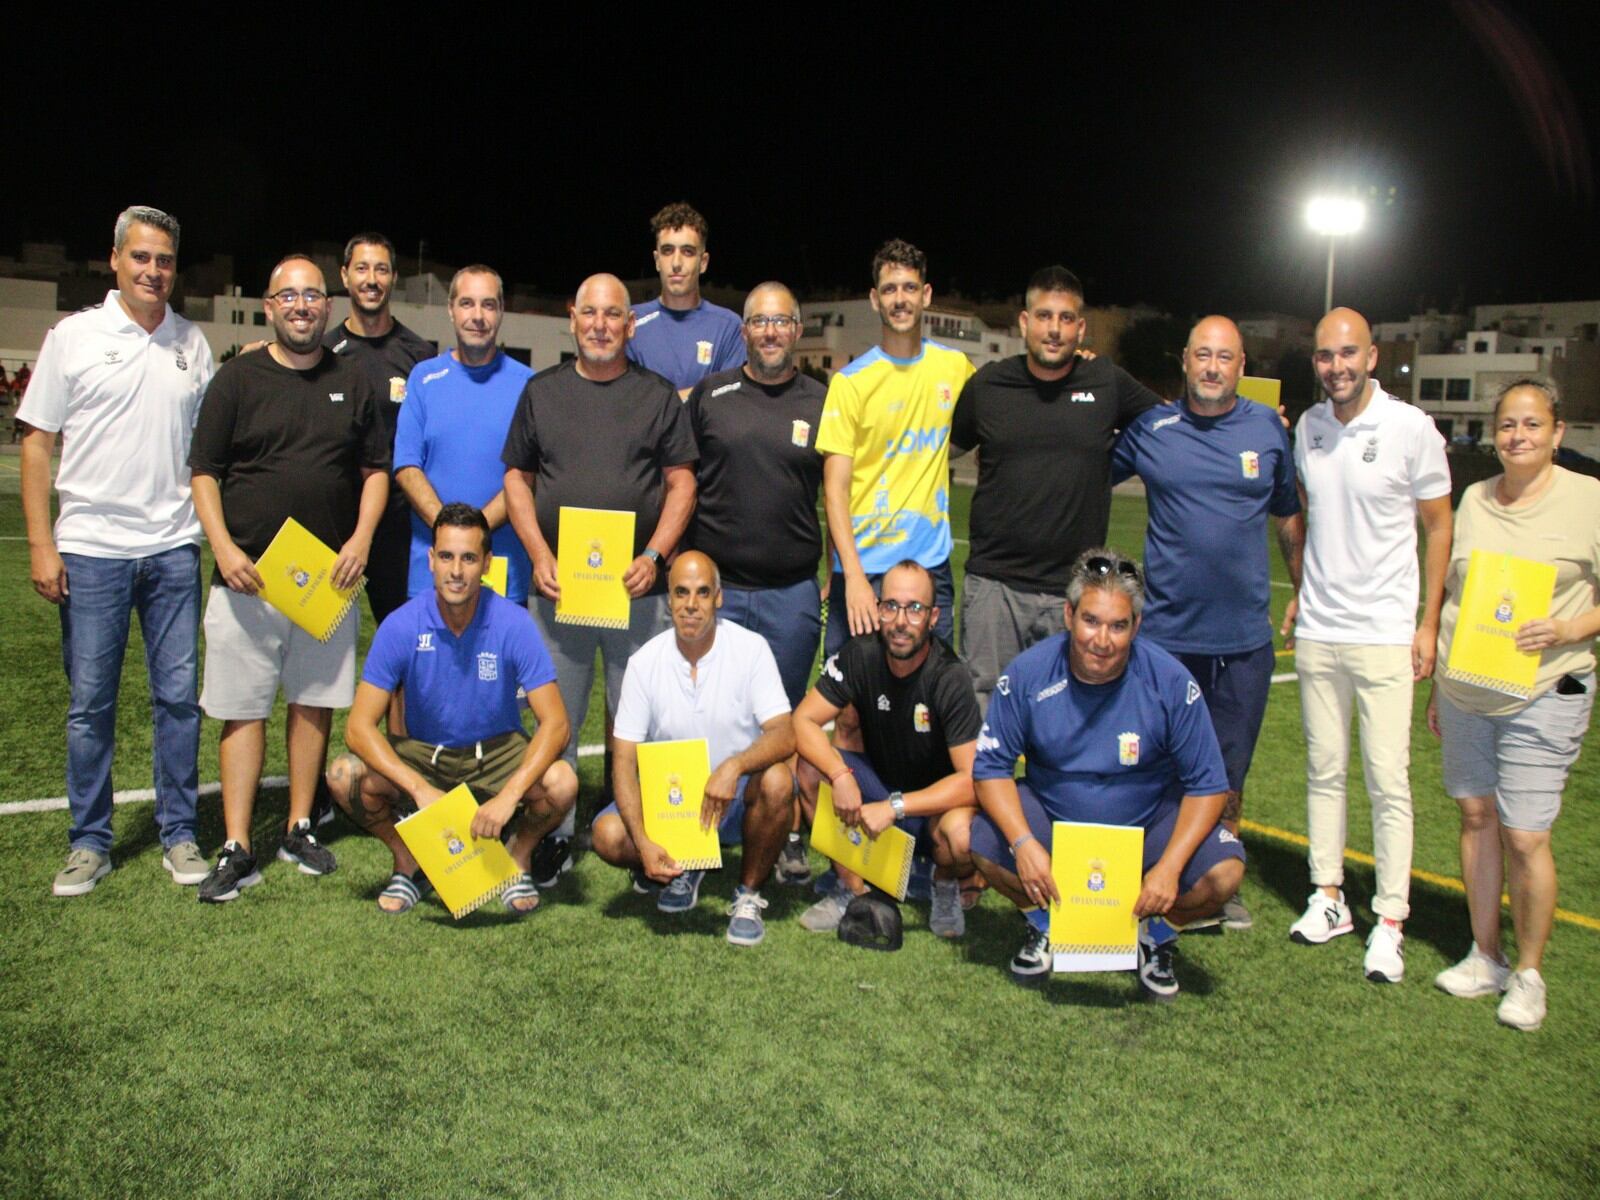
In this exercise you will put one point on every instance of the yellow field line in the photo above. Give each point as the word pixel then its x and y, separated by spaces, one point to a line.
pixel 1444 881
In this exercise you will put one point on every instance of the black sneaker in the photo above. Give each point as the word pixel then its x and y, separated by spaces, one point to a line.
pixel 1156 977
pixel 1032 961
pixel 300 846
pixel 794 864
pixel 235 870
pixel 552 858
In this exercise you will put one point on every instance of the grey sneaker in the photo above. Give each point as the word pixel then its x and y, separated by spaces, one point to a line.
pixel 824 916
pixel 300 846
pixel 1236 916
pixel 946 919
pixel 185 864
pixel 794 864
pixel 682 894
pixel 84 869
pixel 745 926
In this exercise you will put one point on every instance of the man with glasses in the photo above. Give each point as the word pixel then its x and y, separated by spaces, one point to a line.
pixel 121 382
pixel 1114 731
pixel 291 432
pixel 678 335
pixel 919 726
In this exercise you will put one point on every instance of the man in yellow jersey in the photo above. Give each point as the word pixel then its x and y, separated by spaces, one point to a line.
pixel 885 438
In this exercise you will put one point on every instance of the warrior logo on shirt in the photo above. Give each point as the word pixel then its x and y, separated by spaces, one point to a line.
pixel 397 389
pixel 1128 749
pixel 1097 875
pixel 1250 464
pixel 452 842
pixel 180 360
pixel 488 666
pixel 596 555
pixel 1370 454
pixel 883 702
pixel 424 642
pixel 919 719
pixel 674 791
pixel 702 353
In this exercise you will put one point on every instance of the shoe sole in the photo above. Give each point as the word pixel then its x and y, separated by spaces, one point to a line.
pixel 736 940
pixel 305 867
pixel 1158 995
pixel 1380 977
pixel 1306 939
pixel 1030 978
pixel 1524 1027
pixel 249 880
pixel 81 889
pixel 183 879
pixel 1238 926
pixel 1472 994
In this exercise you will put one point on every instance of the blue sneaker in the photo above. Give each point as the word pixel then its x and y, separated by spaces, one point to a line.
pixel 682 894
pixel 920 886
pixel 745 926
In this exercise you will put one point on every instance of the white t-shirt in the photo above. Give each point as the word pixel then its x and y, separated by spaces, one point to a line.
pixel 126 402
pixel 1362 482
pixel 738 689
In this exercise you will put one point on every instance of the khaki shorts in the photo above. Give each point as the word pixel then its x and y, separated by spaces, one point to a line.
pixel 484 767
pixel 251 648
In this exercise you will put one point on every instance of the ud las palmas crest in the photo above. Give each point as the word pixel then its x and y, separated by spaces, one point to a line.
pixel 300 577
pixel 597 556
pixel 1097 875
pixel 674 790
pixel 452 841
pixel 1507 608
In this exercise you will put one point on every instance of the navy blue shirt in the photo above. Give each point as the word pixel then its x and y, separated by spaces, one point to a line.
pixel 1210 483
pixel 686 345
pixel 1117 753
pixel 459 690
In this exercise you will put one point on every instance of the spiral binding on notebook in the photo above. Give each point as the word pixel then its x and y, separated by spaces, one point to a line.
pixel 1490 682
pixel 905 878
pixel 344 609
pixel 711 862
pixel 1090 948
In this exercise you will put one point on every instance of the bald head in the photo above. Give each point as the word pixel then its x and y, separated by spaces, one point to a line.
pixel 305 271
pixel 1344 358
pixel 602 289
pixel 694 593
pixel 601 323
pixel 1213 361
pixel 779 294
pixel 694 564
pixel 769 350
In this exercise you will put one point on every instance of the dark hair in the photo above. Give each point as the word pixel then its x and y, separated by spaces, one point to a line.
pixel 1053 279
pixel 897 253
pixel 911 564
pixel 1538 383
pixel 680 216
pixel 367 239
pixel 462 516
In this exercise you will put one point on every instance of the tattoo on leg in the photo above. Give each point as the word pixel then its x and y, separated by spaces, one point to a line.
pixel 1232 806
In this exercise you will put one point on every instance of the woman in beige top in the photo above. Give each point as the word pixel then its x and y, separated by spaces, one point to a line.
pixel 1506 758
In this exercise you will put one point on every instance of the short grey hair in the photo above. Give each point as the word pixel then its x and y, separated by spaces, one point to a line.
pixel 1111 572
pixel 143 215
pixel 772 285
pixel 477 269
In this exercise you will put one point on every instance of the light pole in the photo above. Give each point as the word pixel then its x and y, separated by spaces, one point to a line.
pixel 1333 217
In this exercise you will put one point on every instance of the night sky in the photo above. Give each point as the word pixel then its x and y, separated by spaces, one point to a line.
pixel 1164 153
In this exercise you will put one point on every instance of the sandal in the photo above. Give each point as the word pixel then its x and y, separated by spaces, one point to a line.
pixel 517 894
pixel 407 889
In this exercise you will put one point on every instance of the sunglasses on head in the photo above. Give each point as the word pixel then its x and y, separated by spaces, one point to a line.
pixel 1101 567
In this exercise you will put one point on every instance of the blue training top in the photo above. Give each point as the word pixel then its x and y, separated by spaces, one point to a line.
pixel 453 427
pixel 1210 483
pixel 686 346
pixel 459 690
pixel 1117 753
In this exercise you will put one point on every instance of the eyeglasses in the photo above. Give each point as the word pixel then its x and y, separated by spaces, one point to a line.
pixel 916 612
pixel 1100 567
pixel 781 322
pixel 289 297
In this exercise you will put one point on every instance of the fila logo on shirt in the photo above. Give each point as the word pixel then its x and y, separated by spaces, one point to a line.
pixel 920 720
pixel 1083 397
pixel 1128 749
pixel 883 702
pixel 1250 464
pixel 488 666
pixel 424 642
pixel 336 397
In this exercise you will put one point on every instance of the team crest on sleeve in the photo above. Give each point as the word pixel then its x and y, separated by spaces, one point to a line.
pixel 800 434
pixel 1128 749
pixel 1250 464
pixel 1192 694
pixel 488 666
pixel 702 353
pixel 397 389
pixel 920 721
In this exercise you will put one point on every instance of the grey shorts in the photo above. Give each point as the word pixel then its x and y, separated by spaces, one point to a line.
pixel 251 648
pixel 1522 760
pixel 999 622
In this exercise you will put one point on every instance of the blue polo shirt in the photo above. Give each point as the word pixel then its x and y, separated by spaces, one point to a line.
pixel 686 346
pixel 1118 753
pixel 452 427
pixel 1210 483
pixel 459 690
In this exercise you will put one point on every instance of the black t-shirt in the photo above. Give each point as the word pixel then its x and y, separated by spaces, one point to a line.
pixel 1044 464
pixel 386 362
pixel 908 724
pixel 286 443
pixel 599 445
pixel 756 509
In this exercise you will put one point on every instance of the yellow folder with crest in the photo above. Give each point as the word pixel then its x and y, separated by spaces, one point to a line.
pixel 883 861
pixel 297 579
pixel 1099 871
pixel 466 871
pixel 594 551
pixel 672 784
pixel 1501 592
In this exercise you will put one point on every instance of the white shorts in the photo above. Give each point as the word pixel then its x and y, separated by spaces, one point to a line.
pixel 251 648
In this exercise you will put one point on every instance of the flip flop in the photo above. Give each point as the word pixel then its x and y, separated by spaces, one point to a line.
pixel 516 896
pixel 405 888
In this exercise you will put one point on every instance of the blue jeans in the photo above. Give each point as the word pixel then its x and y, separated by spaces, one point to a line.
pixel 165 589
pixel 789 618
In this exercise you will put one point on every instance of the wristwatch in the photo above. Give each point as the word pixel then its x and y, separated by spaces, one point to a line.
pixel 654 556
pixel 898 802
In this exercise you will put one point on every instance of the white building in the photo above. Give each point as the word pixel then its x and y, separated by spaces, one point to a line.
pixel 837 331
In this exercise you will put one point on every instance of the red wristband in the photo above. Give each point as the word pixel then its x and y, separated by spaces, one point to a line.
pixel 840 775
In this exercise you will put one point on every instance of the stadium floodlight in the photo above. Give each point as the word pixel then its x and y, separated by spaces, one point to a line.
pixel 1334 217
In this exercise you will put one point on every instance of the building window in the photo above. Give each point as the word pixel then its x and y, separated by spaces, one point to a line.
pixel 1458 389
pixel 827 362
pixel 236 317
pixel 1475 430
pixel 1431 389
pixel 260 318
pixel 1443 425
pixel 1480 347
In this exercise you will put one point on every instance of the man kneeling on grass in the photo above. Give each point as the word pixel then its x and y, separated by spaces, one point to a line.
pixel 1115 732
pixel 711 679
pixel 461 653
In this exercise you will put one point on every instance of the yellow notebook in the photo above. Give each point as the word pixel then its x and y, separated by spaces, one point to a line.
pixel 295 579
pixel 1262 390
pixel 672 783
pixel 464 870
pixel 1502 591
pixel 494 575
pixel 1099 871
pixel 596 548
pixel 883 861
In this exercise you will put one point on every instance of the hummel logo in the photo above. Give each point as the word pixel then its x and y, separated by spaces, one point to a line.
pixel 883 703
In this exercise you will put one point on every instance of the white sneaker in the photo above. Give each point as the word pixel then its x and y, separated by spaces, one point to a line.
pixel 1523 1007
pixel 1385 961
pixel 1475 975
pixel 1326 917
pixel 946 918
pixel 824 916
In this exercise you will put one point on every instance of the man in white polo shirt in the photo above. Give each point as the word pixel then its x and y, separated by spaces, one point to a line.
pixel 1369 465
pixel 122 381
pixel 712 679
